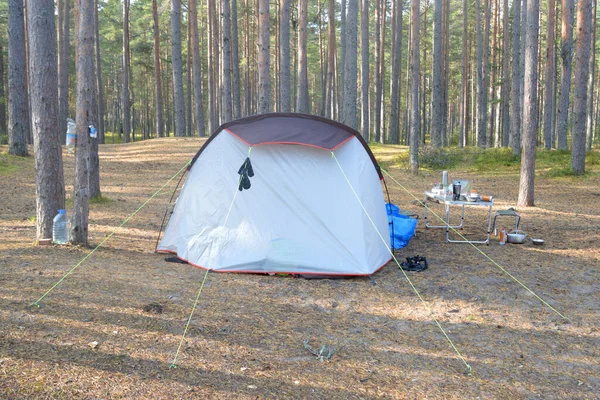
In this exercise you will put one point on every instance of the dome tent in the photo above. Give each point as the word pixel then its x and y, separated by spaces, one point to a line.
pixel 279 193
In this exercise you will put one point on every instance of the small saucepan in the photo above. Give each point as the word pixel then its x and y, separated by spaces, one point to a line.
pixel 516 237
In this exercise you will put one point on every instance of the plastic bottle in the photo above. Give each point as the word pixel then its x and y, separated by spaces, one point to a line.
pixel 502 236
pixel 60 228
pixel 71 136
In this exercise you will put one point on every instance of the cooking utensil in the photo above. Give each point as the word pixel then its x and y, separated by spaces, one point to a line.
pixel 537 242
pixel 516 237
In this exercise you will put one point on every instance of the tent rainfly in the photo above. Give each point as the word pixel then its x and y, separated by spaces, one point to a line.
pixel 282 193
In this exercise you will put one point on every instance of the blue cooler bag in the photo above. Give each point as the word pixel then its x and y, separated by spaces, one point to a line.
pixel 402 227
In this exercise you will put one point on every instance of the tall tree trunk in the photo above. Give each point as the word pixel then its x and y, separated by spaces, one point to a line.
pixel 462 136
pixel 235 59
pixel 483 95
pixel 515 111
pixel 188 104
pixel 566 54
pixel 350 68
pixel 414 100
pixel 198 105
pixel 99 87
pixel 505 75
pixel 491 133
pixel 364 69
pixel 226 106
pixel 178 98
pixel 446 71
pixel 343 34
pixel 331 78
pixel 18 122
pixel 85 116
pixel 63 67
pixel 395 89
pixel 212 57
pixel 378 77
pixel 284 55
pixel 264 61
pixel 157 72
pixel 589 128
pixel 302 94
pixel 437 96
pixel 125 102
pixel 50 186
pixel 2 90
pixel 582 65
pixel 530 101
pixel 550 96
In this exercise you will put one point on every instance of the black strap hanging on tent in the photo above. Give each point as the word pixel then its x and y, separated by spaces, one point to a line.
pixel 167 210
pixel 390 212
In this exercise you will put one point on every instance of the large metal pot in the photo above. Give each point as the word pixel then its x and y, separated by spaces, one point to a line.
pixel 517 237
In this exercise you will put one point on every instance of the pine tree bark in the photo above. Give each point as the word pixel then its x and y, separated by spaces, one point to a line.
pixel 515 111
pixel 481 92
pixel 235 60
pixel 580 87
pixel 284 56
pixel 264 61
pixel 2 91
pixel 437 98
pixel 550 96
pixel 85 116
pixel 350 67
pixel 396 76
pixel 18 122
pixel 50 187
pixel 331 106
pixel 198 104
pixel 188 101
pixel 178 97
pixel 125 99
pixel 414 98
pixel 160 126
pixel 505 75
pixel 464 96
pixel 63 67
pixel 302 105
pixel 378 77
pixel 99 87
pixel 342 50
pixel 212 66
pixel 589 128
pixel 364 69
pixel 530 102
pixel 566 54
pixel 226 105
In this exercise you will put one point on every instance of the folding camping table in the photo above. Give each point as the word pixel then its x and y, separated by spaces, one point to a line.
pixel 448 202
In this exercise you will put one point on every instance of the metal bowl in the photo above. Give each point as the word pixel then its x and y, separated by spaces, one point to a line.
pixel 537 242
pixel 516 237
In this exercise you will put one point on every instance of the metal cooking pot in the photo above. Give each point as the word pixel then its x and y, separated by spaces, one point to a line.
pixel 517 237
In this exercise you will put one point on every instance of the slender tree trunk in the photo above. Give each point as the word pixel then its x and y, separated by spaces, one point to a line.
pixel 462 135
pixel 437 97
pixel 85 116
pixel 589 128
pixel 157 71
pixel 235 59
pixel 505 75
pixel 323 62
pixel 515 111
pixel 226 105
pixel 482 111
pixel 446 71
pixel 178 97
pixel 284 55
pixel 50 187
pixel 378 77
pixel 582 65
pixel 212 57
pixel 549 96
pixel 350 68
pixel 18 122
pixel 264 61
pixel 491 133
pixel 566 54
pixel 414 100
pixel 364 68
pixel 331 79
pixel 302 94
pixel 396 77
pixel 99 88
pixel 2 91
pixel 125 103
pixel 198 105
pixel 530 114
pixel 63 68
pixel 342 51
pixel 188 104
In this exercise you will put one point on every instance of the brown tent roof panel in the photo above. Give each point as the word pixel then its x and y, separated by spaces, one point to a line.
pixel 291 128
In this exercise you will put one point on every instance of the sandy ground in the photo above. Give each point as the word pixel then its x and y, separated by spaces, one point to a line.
pixel 246 339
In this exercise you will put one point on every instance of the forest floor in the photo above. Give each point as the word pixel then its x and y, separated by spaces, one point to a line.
pixel 112 327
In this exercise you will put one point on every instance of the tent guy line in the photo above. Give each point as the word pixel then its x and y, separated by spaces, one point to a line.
pixel 469 369
pixel 478 249
pixel 37 302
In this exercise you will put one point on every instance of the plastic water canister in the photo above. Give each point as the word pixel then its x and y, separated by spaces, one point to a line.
pixel 60 229
pixel 71 136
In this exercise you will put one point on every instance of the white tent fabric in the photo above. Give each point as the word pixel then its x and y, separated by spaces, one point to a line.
pixel 300 215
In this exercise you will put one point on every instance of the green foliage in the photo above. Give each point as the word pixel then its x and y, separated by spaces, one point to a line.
pixel 494 159
pixel 3 138
pixel 100 199
pixel 434 158
pixel 112 137
pixel 8 163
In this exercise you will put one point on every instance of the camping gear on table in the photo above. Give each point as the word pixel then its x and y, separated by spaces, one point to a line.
pixel 315 204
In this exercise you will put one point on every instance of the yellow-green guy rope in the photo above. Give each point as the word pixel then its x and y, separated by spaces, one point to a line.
pixel 478 249
pixel 36 303
pixel 187 325
pixel 469 369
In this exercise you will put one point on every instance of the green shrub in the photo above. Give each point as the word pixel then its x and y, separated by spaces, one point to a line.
pixel 440 158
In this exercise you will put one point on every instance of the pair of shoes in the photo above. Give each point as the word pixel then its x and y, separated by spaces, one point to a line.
pixel 416 263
